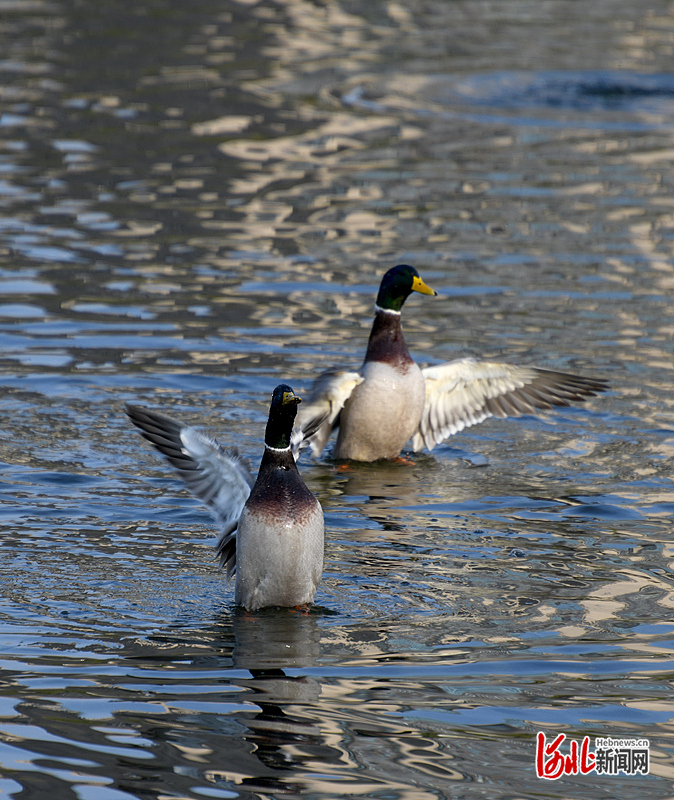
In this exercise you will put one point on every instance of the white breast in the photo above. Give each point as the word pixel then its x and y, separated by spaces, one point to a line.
pixel 382 413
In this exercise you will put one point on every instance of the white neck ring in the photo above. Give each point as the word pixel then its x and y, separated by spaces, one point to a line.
pixel 277 449
pixel 386 310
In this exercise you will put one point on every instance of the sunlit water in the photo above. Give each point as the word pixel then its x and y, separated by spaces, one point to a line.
pixel 198 201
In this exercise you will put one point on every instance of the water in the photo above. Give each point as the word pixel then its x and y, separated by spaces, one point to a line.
pixel 197 203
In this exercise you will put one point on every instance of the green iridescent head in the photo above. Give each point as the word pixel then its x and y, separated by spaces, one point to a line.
pixel 282 413
pixel 397 285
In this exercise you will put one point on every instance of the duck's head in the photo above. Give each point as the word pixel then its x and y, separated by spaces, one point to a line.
pixel 397 285
pixel 282 413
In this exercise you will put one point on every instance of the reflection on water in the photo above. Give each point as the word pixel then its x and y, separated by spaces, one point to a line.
pixel 198 201
pixel 592 90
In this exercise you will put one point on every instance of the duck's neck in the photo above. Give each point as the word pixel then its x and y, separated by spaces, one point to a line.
pixel 277 458
pixel 387 342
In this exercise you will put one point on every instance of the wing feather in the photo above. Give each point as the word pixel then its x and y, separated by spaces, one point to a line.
pixel 465 392
pixel 319 413
pixel 218 476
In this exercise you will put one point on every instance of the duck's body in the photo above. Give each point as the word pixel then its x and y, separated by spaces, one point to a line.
pixel 272 528
pixel 282 520
pixel 382 412
pixel 390 400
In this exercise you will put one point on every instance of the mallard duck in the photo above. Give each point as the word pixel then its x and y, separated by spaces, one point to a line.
pixel 390 400
pixel 271 528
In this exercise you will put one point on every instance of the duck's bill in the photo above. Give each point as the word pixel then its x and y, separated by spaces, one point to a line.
pixel 290 397
pixel 419 286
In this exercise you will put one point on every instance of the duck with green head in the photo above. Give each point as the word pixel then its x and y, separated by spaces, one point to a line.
pixel 369 430
pixel 271 527
pixel 390 400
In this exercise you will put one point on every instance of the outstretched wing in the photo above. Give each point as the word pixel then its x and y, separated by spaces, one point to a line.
pixel 319 413
pixel 464 392
pixel 218 476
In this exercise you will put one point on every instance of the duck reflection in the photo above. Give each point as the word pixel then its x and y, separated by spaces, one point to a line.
pixel 267 644
pixel 275 638
pixel 384 491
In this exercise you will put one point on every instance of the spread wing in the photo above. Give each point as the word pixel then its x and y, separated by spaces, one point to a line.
pixel 319 413
pixel 464 392
pixel 216 475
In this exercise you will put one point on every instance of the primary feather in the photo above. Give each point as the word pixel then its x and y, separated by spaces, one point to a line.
pixel 218 476
pixel 465 392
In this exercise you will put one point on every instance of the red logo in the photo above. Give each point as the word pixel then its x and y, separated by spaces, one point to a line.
pixel 551 764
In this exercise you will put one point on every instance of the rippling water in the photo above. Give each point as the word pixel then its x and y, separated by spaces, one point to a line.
pixel 198 201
